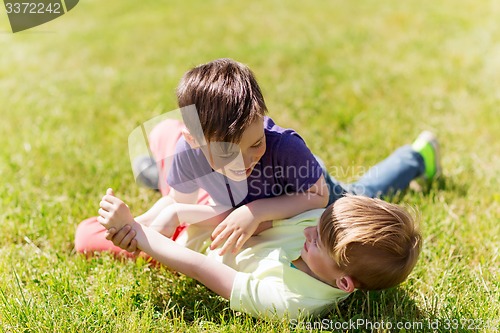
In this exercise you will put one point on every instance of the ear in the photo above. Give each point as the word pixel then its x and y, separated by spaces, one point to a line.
pixel 345 283
pixel 191 140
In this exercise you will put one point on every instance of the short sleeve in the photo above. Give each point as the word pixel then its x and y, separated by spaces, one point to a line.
pixel 270 297
pixel 181 175
pixel 260 298
pixel 278 291
pixel 297 164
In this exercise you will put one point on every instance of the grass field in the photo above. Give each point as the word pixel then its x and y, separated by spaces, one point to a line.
pixel 356 79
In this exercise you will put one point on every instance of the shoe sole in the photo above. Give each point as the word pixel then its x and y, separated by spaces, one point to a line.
pixel 431 138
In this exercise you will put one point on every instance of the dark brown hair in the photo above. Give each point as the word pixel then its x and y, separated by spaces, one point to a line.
pixel 227 99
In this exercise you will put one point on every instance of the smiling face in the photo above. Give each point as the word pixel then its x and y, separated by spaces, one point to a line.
pixel 236 161
pixel 315 256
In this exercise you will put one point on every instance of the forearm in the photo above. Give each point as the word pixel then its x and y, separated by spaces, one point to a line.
pixel 292 204
pixel 246 220
pixel 148 217
pixel 202 215
pixel 213 274
pixel 173 215
pixel 173 197
pixel 285 206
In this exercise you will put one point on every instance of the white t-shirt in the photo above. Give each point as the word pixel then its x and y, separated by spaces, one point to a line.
pixel 266 284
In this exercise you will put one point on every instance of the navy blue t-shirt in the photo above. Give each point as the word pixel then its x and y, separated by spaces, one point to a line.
pixel 287 167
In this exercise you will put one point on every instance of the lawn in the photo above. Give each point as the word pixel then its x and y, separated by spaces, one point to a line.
pixel 357 79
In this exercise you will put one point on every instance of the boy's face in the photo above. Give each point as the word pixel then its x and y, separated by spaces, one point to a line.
pixel 315 255
pixel 237 161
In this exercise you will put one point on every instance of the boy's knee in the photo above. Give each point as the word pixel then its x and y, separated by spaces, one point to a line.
pixel 168 127
pixel 89 236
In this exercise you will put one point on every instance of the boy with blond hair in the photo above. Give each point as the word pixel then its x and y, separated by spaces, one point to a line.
pixel 300 266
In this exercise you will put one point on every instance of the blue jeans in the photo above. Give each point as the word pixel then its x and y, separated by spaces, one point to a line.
pixel 389 176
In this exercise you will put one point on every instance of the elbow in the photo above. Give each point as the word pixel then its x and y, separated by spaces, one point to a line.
pixel 319 194
pixel 315 200
pixel 321 200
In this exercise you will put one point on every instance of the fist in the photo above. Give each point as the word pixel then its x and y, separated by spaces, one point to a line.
pixel 113 212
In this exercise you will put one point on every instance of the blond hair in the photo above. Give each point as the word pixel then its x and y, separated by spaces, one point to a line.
pixel 374 242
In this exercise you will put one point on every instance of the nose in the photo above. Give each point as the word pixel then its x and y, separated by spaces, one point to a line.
pixel 249 159
pixel 308 233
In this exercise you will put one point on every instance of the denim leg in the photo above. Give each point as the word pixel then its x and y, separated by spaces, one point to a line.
pixel 391 175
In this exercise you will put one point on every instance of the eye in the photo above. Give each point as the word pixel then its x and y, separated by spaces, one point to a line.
pixel 225 150
pixel 227 155
pixel 258 144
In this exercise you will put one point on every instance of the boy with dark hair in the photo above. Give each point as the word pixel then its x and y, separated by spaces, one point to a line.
pixel 228 150
pixel 253 170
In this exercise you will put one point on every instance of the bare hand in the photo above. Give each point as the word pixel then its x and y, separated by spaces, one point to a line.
pixel 237 228
pixel 114 213
pixel 124 238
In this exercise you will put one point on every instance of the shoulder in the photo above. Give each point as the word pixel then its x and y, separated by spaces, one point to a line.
pixel 187 163
pixel 182 145
pixel 271 127
pixel 280 137
pixel 184 152
pixel 285 147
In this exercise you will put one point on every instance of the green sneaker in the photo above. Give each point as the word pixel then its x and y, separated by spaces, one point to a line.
pixel 427 145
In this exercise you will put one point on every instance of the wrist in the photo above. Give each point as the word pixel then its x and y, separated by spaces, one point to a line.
pixel 254 211
pixel 135 225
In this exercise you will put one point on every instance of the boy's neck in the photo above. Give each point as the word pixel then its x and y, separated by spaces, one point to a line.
pixel 302 266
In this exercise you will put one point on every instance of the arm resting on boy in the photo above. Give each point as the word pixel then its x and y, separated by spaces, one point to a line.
pixel 167 213
pixel 254 294
pixel 243 222
pixel 203 215
pixel 173 196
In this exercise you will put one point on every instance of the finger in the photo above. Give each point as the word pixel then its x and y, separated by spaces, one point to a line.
pixel 228 245
pixel 104 213
pixel 109 191
pixel 118 237
pixel 126 241
pixel 239 243
pixel 133 246
pixel 109 233
pixel 218 230
pixel 110 199
pixel 102 221
pixel 107 206
pixel 217 241
pixel 220 237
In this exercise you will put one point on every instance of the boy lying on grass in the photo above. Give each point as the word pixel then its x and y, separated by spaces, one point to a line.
pixel 299 265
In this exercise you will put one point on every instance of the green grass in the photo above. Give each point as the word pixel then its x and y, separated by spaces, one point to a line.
pixel 356 79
